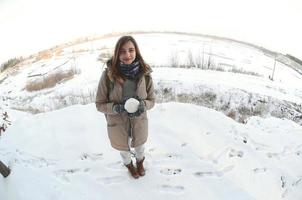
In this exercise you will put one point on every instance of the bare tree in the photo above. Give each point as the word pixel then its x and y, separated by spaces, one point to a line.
pixel 174 60
pixel 190 61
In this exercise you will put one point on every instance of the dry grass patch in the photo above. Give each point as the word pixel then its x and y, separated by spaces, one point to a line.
pixel 28 109
pixel 49 81
pixel 58 51
pixel 232 114
pixel 43 55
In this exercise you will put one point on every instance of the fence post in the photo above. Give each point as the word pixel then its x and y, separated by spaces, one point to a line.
pixel 4 170
pixel 272 78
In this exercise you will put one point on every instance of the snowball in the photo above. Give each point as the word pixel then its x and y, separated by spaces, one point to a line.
pixel 131 105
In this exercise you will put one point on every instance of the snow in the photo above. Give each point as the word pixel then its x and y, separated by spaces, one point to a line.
pixel 157 50
pixel 192 152
pixel 131 105
pixel 224 80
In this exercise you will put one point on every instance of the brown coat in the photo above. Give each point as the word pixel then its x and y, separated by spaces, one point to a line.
pixel 118 125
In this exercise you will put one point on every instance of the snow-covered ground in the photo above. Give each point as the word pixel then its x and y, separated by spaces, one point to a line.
pixel 192 153
pixel 228 91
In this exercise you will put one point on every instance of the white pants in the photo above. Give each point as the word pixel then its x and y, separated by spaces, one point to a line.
pixel 139 154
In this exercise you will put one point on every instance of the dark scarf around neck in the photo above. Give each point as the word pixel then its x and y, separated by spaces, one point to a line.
pixel 131 70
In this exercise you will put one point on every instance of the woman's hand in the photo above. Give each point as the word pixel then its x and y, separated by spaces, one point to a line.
pixel 141 109
pixel 118 108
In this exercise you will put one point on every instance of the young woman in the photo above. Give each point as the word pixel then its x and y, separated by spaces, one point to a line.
pixel 125 92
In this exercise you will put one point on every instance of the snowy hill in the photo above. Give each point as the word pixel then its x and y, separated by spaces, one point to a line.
pixel 192 153
pixel 228 76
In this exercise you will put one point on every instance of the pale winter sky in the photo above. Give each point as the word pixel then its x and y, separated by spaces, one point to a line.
pixel 33 25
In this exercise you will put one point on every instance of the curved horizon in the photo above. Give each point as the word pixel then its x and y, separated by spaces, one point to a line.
pixel 34 25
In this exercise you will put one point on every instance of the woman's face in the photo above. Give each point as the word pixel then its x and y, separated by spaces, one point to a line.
pixel 127 53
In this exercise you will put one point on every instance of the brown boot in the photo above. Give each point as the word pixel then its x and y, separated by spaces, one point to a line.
pixel 140 167
pixel 132 170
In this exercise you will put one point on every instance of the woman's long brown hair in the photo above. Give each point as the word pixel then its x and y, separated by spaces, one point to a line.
pixel 114 73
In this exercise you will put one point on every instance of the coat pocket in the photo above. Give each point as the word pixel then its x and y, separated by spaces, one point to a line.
pixel 118 136
pixel 114 120
pixel 140 131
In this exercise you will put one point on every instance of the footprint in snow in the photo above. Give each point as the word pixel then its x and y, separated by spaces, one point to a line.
pixel 167 157
pixel 64 174
pixel 170 171
pixel 259 170
pixel 208 133
pixel 91 157
pixel 173 156
pixel 260 147
pixel 214 173
pixel 115 165
pixel 178 189
pixel 72 171
pixel 111 180
pixel 183 144
pixel 35 162
pixel 273 155
pixel 235 153
pixel 204 174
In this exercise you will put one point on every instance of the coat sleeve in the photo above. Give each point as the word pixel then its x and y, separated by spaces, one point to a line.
pixel 102 102
pixel 150 100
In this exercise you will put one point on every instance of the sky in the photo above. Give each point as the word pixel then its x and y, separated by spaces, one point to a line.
pixel 33 25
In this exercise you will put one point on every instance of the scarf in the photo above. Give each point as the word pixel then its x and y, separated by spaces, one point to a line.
pixel 131 70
